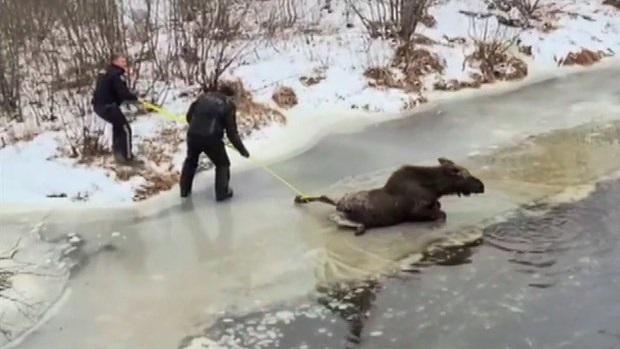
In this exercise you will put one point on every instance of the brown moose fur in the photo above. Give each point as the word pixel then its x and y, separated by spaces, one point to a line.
pixel 411 194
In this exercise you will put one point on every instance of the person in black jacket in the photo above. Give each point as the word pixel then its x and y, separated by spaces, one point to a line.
pixel 208 117
pixel 110 92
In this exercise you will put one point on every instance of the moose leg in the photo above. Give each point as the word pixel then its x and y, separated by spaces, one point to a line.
pixel 428 213
pixel 344 222
pixel 308 199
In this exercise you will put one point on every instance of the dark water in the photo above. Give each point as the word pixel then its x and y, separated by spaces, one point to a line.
pixel 548 277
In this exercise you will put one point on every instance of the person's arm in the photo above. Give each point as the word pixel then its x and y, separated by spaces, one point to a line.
pixel 233 134
pixel 190 112
pixel 122 91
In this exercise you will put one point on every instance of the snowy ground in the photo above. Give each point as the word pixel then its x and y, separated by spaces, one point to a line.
pixel 35 171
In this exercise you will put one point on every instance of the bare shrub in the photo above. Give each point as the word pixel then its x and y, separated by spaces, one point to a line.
pixel 391 18
pixel 284 14
pixel 13 38
pixel 527 8
pixel 92 30
pixel 63 48
pixel 50 54
pixel 492 42
pixel 145 32
pixel 84 139
pixel 203 35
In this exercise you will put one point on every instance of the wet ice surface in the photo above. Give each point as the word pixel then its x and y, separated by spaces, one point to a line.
pixel 545 278
pixel 167 274
pixel 33 277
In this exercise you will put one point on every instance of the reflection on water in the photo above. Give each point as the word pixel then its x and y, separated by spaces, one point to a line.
pixel 450 255
pixel 352 303
pixel 335 317
pixel 562 240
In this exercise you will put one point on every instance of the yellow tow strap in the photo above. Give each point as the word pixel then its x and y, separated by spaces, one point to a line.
pixel 179 119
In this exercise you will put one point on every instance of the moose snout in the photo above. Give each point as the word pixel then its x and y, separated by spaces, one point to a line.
pixel 477 186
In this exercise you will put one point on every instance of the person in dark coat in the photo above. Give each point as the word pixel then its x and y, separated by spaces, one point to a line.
pixel 212 114
pixel 110 92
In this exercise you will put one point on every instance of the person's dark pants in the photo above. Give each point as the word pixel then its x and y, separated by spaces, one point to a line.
pixel 121 131
pixel 216 151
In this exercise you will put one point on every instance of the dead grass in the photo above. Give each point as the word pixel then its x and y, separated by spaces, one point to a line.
pixel 285 97
pixel 503 68
pixel 158 152
pixel 415 63
pixel 584 57
pixel 156 183
pixel 91 147
pixel 382 77
pixel 252 116
pixel 494 65
pixel 412 64
pixel 314 79
pixel 497 65
pixel 455 85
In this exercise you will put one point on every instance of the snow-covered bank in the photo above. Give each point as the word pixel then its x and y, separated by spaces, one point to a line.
pixel 335 59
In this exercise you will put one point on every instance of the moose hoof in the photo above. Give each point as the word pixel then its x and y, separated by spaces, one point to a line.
pixel 360 230
pixel 441 216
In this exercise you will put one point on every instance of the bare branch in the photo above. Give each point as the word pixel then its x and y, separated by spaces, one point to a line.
pixel 391 17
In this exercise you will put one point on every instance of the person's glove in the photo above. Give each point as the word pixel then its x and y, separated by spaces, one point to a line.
pixel 245 154
pixel 133 104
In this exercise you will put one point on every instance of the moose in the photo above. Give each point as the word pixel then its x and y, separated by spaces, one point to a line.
pixel 411 194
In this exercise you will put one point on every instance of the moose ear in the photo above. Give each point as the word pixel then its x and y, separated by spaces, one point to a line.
pixel 445 162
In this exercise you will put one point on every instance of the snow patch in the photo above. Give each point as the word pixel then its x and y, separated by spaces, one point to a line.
pixel 29 173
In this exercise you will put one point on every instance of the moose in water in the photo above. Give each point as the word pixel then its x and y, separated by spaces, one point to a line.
pixel 411 194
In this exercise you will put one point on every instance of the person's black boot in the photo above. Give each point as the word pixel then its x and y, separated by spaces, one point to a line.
pixel 185 191
pixel 228 195
pixel 222 177
pixel 187 178
pixel 119 158
pixel 131 162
